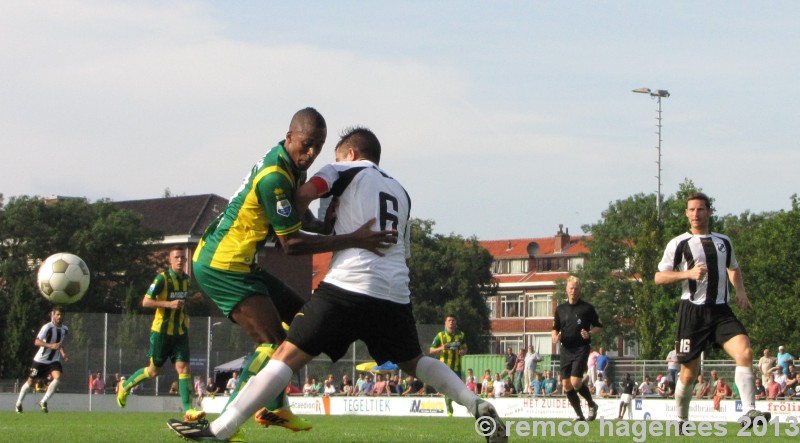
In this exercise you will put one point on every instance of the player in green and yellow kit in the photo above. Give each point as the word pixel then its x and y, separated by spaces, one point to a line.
pixel 169 333
pixel 450 343
pixel 264 205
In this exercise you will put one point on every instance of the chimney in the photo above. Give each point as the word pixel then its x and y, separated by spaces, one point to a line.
pixel 562 240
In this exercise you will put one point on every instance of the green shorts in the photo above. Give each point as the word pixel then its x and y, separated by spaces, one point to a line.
pixel 228 289
pixel 163 346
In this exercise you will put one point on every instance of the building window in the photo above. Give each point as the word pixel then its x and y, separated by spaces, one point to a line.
pixel 511 305
pixel 542 343
pixel 575 264
pixel 510 266
pixel 631 348
pixel 508 341
pixel 540 305
pixel 551 264
pixel 491 304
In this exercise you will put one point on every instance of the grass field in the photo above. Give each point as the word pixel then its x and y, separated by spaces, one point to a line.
pixel 85 427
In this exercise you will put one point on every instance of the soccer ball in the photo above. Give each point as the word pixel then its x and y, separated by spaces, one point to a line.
pixel 63 278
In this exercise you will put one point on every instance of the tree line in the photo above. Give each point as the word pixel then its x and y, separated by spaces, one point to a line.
pixel 448 273
pixel 628 242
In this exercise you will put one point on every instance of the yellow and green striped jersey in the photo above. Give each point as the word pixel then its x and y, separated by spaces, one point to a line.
pixel 169 286
pixel 262 205
pixel 452 343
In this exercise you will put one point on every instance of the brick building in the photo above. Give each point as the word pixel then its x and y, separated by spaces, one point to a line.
pixel 527 272
pixel 182 220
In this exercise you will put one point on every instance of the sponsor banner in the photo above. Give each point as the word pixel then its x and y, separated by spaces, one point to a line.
pixel 392 406
pixel 703 410
pixel 551 407
pixel 310 405
pixel 521 407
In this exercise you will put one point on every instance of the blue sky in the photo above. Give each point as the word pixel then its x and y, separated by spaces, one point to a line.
pixel 502 119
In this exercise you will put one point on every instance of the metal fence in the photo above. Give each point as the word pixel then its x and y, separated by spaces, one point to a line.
pixel 118 344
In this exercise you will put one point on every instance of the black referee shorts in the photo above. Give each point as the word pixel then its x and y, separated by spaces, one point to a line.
pixel 701 326
pixel 574 361
pixel 334 318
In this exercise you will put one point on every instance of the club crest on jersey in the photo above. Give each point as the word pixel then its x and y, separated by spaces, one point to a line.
pixel 721 247
pixel 284 208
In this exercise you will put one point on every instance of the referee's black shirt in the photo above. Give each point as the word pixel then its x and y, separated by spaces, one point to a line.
pixel 571 319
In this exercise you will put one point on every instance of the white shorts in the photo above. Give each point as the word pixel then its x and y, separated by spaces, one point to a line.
pixel 625 398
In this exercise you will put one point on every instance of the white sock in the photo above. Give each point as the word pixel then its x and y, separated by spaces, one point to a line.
pixel 23 391
pixel 259 390
pixel 51 389
pixel 683 396
pixel 745 381
pixel 444 380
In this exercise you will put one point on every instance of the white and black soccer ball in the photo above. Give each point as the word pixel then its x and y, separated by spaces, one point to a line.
pixel 63 278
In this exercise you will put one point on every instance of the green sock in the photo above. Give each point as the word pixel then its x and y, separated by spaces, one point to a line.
pixel 137 377
pixel 259 359
pixel 185 389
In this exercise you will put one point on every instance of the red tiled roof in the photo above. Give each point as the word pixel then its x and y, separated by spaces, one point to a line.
pixel 518 248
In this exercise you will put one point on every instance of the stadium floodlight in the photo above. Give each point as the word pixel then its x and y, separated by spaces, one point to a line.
pixel 658 94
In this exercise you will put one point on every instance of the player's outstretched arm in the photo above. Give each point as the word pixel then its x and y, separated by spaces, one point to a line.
pixel 299 243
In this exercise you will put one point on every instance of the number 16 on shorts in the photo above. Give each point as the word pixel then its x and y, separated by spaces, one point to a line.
pixel 684 345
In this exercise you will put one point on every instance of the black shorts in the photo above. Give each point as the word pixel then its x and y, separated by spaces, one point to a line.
pixel 701 326
pixel 574 361
pixel 335 318
pixel 42 370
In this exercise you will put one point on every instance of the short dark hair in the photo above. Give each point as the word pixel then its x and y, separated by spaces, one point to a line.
pixel 308 114
pixel 363 141
pixel 450 315
pixel 58 308
pixel 700 196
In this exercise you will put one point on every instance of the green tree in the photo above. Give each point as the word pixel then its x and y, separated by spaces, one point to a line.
pixel 766 249
pixel 625 249
pixel 451 275
pixel 110 240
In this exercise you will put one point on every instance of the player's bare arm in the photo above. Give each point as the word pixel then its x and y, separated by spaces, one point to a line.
pixel 741 299
pixel 299 243
pixel 148 302
pixel 698 272
pixel 303 197
pixel 306 194
pixel 556 336
pixel 41 343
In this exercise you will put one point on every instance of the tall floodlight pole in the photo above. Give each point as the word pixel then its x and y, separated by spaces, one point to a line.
pixel 658 94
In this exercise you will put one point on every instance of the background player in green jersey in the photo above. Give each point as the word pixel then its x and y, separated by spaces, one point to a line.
pixel 169 333
pixel 224 262
pixel 450 343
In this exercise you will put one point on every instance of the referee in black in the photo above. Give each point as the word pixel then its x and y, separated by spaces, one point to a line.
pixel 574 323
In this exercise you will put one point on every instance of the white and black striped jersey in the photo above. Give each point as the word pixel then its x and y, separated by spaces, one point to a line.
pixel 716 251
pixel 365 191
pixel 50 333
